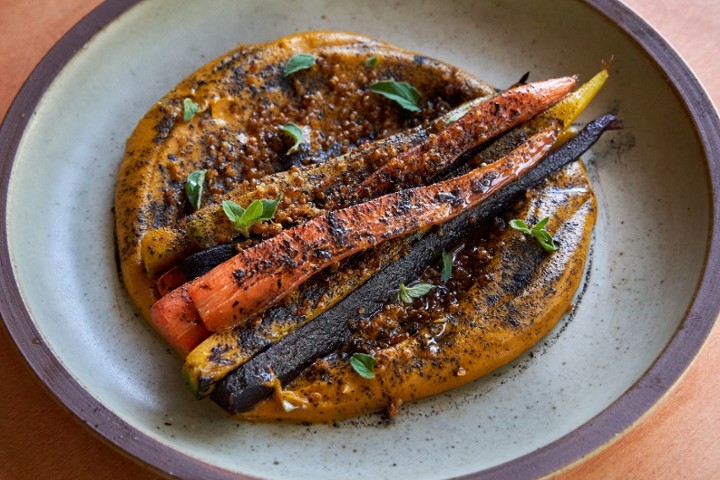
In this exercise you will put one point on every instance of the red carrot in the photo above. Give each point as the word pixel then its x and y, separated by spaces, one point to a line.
pixel 483 122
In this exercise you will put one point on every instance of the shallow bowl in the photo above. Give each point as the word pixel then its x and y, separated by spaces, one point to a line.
pixel 645 310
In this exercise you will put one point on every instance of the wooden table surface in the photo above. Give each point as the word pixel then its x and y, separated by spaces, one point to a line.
pixel 679 438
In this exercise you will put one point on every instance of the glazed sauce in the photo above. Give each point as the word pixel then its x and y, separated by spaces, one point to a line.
pixel 399 321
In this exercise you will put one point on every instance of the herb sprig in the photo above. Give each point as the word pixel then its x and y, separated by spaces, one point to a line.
pixel 370 62
pixel 301 61
pixel 543 237
pixel 190 108
pixel 296 133
pixel 363 364
pixel 408 294
pixel 403 93
pixel 447 266
pixel 194 188
pixel 257 211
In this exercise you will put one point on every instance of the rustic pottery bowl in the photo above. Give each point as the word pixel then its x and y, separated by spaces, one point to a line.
pixel 645 310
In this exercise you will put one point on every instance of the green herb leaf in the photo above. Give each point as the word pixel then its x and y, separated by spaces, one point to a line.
pixel 546 240
pixel 371 61
pixel 447 265
pixel 296 133
pixel 520 225
pixel 232 210
pixel 540 226
pixel 363 364
pixel 539 232
pixel 407 294
pixel 190 108
pixel 401 92
pixel 301 61
pixel 270 206
pixel 253 212
pixel 257 211
pixel 194 187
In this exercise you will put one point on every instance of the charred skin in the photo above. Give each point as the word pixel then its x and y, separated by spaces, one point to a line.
pixel 524 292
pixel 224 351
pixel 243 98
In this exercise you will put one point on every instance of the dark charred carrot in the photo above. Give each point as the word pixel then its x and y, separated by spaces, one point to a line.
pixel 260 276
pixel 482 123
pixel 253 381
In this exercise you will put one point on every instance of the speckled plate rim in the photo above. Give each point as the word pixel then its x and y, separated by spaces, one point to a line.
pixel 665 371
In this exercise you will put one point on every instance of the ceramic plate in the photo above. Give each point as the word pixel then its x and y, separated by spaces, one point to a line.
pixel 645 312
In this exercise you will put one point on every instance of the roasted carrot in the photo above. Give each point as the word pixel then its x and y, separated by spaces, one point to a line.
pixel 170 280
pixel 248 384
pixel 260 276
pixel 432 149
pixel 560 115
pixel 485 121
pixel 225 351
pixel 181 326
pixel 178 321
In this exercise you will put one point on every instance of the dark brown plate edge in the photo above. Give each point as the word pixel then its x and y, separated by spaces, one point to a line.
pixel 620 415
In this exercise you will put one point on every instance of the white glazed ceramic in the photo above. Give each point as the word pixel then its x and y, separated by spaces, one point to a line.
pixel 651 245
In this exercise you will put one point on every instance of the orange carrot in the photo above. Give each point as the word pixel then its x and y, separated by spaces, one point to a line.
pixel 177 320
pixel 170 280
pixel 258 277
pixel 480 124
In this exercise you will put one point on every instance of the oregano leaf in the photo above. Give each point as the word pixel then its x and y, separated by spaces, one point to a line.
pixel 298 62
pixel 297 135
pixel 402 93
pixel 190 108
pixel 370 62
pixel 363 364
pixel 408 294
pixel 447 265
pixel 194 188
